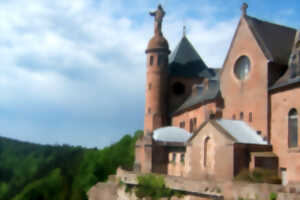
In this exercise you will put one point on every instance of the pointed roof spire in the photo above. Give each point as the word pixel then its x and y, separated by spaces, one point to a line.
pixel 184 31
pixel 244 9
pixel 186 62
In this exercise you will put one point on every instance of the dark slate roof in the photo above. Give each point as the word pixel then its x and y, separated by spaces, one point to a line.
pixel 184 61
pixel 285 82
pixel 210 93
pixel 291 75
pixel 275 40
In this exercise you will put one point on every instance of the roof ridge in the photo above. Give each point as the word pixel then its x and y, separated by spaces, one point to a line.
pixel 184 41
pixel 260 40
pixel 274 40
pixel 273 23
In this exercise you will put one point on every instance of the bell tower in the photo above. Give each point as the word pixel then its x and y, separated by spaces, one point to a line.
pixel 156 85
pixel 156 94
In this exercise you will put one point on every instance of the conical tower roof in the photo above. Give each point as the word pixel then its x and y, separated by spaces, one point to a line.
pixel 185 61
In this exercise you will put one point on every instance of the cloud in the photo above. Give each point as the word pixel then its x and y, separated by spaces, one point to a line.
pixel 74 71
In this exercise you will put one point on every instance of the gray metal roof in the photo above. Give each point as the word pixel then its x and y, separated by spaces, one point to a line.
pixel 184 61
pixel 275 40
pixel 209 93
pixel 241 131
pixel 171 134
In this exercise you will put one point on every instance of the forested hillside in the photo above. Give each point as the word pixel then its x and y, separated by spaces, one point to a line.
pixel 43 172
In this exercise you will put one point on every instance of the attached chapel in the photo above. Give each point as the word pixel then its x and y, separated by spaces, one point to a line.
pixel 202 122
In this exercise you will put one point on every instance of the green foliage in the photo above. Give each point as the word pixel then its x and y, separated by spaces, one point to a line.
pixel 273 196
pixel 153 186
pixel 42 188
pixel 31 171
pixel 259 176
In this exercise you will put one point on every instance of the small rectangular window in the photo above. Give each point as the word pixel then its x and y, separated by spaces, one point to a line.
pixel 149 86
pixel 182 157
pixel 151 60
pixel 233 117
pixel 250 117
pixel 174 157
pixel 149 110
pixel 241 116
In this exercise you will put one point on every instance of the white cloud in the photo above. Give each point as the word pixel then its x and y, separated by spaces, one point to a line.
pixel 84 60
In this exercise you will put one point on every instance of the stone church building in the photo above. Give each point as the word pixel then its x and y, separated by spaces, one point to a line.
pixel 213 123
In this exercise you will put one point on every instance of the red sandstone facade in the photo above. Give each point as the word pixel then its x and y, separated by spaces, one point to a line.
pixel 258 88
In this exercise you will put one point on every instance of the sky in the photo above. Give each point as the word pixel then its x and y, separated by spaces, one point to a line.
pixel 73 71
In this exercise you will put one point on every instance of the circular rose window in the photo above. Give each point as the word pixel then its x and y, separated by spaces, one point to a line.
pixel 242 67
pixel 178 88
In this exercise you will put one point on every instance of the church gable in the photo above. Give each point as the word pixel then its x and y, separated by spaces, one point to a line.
pixel 210 129
pixel 244 42
pixel 245 78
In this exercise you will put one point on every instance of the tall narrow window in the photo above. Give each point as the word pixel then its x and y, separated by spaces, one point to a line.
pixel 241 116
pixel 206 151
pixel 293 128
pixel 195 122
pixel 174 157
pixel 182 157
pixel 151 60
pixel 233 117
pixel 182 124
pixel 250 117
pixel 149 110
pixel 191 125
pixel 149 86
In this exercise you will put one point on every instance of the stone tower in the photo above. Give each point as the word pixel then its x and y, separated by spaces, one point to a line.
pixel 156 86
pixel 156 94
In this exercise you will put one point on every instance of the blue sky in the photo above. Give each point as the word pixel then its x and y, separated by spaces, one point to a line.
pixel 73 71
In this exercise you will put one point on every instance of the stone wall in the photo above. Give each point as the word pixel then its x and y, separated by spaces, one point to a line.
pixel 227 190
pixel 282 101
pixel 209 155
pixel 200 113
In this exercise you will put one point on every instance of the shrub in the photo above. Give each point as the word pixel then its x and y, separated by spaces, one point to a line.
pixel 273 196
pixel 153 186
pixel 259 175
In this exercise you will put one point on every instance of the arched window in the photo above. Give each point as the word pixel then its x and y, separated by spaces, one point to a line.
pixel 178 88
pixel 206 149
pixel 293 128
